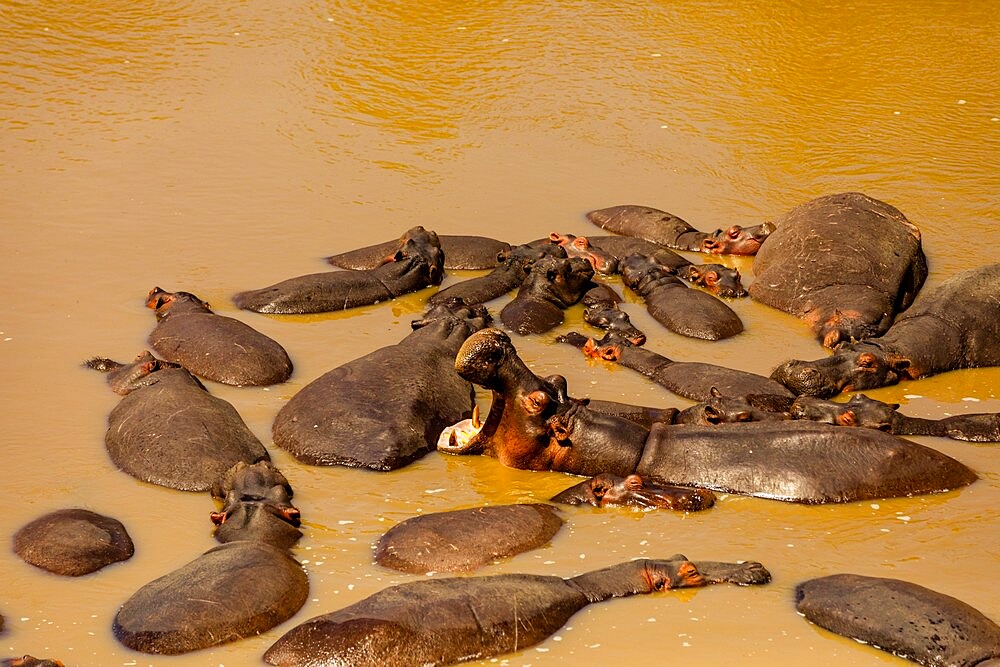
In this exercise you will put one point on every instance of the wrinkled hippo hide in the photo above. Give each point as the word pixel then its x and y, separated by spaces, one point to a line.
pixel 844 263
pixel 73 542
pixel 797 461
pixel 951 326
pixel 212 346
pixel 387 408
pixel 444 621
pixel 466 540
pixel 460 253
pixel 168 430
pixel 667 229
pixel 906 619
pixel 233 591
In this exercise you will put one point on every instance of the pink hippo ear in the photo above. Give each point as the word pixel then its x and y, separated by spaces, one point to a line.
pixel 711 278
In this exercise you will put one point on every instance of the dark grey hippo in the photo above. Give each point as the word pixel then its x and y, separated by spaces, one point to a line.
pixel 235 590
pixel 607 490
pixel 73 542
pixel 387 408
pixel 444 621
pixel 212 346
pixel 30 661
pixel 844 263
pixel 169 430
pixel 257 505
pixel 466 540
pixel 552 286
pixel 505 277
pixel 460 252
pixel 906 619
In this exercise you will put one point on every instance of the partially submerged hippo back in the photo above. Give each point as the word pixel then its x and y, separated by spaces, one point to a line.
pixel 465 540
pixel 667 229
pixel 460 252
pixel 213 346
pixel 73 542
pixel 845 263
pixel 906 619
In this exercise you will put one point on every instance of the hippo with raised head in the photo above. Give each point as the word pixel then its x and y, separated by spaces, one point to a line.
pixel 667 229
pixel 417 264
pixel 460 252
pixel 552 286
pixel 257 505
pixel 953 325
pixel 213 346
pixel 386 408
pixel 466 540
pixel 444 621
pixel 676 306
pixel 906 619
pixel 607 490
pixel 73 542
pixel 844 263
pixel 603 262
pixel 505 277
pixel 168 429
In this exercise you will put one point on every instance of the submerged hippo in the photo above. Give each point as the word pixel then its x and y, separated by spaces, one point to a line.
pixel 257 505
pixel 460 252
pixel 387 408
pixel 73 542
pixel 607 490
pixel 552 286
pixel 601 310
pixel 212 346
pixel 416 265
pixel 906 619
pixel 603 262
pixel 844 263
pixel 954 325
pixel 530 426
pixel 444 621
pixel 505 277
pixel 30 661
pixel 466 540
pixel 669 230
pixel 673 304
pixel 169 430
pixel 236 590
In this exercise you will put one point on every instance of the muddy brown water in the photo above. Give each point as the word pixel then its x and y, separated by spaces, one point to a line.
pixel 216 147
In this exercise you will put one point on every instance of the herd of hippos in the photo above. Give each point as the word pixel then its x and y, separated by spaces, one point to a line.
pixel 851 267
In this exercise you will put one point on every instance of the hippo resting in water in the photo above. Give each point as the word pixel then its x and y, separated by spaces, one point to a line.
pixel 954 325
pixel 669 230
pixel 212 346
pixel 73 542
pixel 532 426
pixel 387 408
pixel 445 621
pixel 844 263
pixel 169 430
pixel 607 490
pixel 507 276
pixel 416 265
pixel 257 505
pixel 553 285
pixel 460 252
pixel 906 619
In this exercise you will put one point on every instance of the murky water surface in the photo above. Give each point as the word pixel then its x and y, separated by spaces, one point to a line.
pixel 215 147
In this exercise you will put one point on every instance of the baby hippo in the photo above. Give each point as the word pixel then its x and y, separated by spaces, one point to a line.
pixel 607 490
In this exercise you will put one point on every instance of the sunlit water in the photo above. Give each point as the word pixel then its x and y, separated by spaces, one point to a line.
pixel 216 147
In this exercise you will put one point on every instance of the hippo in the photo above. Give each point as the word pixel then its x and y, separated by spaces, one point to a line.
pixel 607 490
pixel 168 430
pixel 386 409
pixel 417 264
pixel 722 409
pixel 466 540
pixel 601 310
pixel 449 620
pixel 73 542
pixel 844 263
pixel 508 275
pixel 31 661
pixel 903 618
pixel 212 346
pixel 257 505
pixel 460 253
pixel 236 590
pixel 951 326
pixel 690 379
pixel 669 230
pixel 603 262
pixel 530 427
pixel 552 286
pixel 673 304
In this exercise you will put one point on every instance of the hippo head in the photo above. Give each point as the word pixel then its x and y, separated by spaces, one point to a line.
pixel 616 322
pixel 140 372
pixel 164 303
pixel 641 271
pixel 859 411
pixel 579 246
pixel 456 317
pixel 423 244
pixel 607 490
pixel 737 240
pixel 559 280
pixel 257 505
pixel 718 409
pixel 850 368
pixel 717 279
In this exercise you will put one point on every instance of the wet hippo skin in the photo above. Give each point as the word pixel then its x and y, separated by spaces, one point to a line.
pixel 73 542
pixel 460 253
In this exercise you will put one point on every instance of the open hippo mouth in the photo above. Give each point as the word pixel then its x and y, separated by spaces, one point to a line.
pixel 455 439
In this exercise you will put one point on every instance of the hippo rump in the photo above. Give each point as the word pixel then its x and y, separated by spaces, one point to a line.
pixel 211 346
pixel 73 542
pixel 168 430
pixel 460 252
pixel 906 619
pixel 951 326
pixel 449 620
pixel 844 263
pixel 387 408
